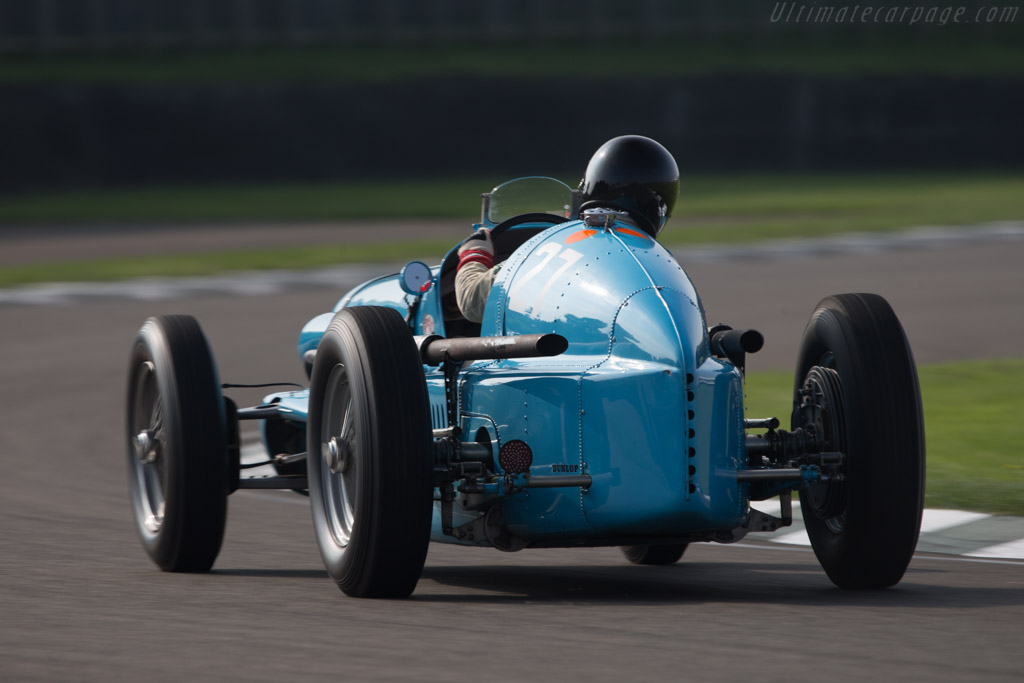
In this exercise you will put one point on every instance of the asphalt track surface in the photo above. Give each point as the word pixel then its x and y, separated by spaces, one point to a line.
pixel 79 599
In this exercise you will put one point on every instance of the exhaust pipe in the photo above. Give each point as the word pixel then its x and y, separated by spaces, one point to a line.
pixel 734 345
pixel 435 349
pixel 729 343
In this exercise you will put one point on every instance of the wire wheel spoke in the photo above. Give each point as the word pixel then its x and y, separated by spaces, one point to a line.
pixel 340 455
pixel 147 434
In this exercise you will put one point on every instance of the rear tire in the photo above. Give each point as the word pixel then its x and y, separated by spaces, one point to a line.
pixel 177 445
pixel 654 554
pixel 369 454
pixel 855 358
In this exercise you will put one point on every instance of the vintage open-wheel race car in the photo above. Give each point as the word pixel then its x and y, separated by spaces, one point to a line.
pixel 592 406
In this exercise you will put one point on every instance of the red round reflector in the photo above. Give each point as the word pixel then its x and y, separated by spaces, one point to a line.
pixel 515 457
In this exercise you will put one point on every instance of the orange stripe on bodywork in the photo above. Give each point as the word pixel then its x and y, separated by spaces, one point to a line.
pixel 579 236
pixel 631 232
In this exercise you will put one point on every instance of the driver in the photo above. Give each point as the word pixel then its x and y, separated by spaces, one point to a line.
pixel 629 173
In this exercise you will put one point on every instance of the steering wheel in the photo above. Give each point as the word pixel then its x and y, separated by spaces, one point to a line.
pixel 549 218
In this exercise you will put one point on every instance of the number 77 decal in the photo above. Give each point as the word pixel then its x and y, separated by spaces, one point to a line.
pixel 550 250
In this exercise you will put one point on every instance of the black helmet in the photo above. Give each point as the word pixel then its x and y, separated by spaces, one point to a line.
pixel 634 174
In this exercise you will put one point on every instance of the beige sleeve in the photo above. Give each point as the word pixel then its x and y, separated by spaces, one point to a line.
pixel 472 285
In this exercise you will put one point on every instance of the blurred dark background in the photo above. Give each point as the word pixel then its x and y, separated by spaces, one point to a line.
pixel 97 93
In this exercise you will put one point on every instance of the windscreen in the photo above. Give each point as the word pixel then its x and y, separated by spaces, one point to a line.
pixel 534 194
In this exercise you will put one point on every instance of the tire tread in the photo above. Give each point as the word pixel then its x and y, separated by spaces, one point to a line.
pixel 885 436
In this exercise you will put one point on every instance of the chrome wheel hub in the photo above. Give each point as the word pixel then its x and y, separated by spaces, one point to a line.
pixel 337 455
pixel 147 446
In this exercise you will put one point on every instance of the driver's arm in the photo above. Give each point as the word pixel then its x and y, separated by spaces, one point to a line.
pixel 475 275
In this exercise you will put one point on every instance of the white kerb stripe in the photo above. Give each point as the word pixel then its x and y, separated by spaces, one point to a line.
pixel 793 538
pixel 932 521
pixel 937 520
pixel 1011 550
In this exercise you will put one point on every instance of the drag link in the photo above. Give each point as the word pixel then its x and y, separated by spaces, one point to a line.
pixel 770 423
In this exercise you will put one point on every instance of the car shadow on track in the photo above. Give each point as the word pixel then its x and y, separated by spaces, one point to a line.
pixel 697 583
pixel 318 574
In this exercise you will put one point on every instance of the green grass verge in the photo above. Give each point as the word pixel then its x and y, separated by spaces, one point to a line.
pixel 205 263
pixel 746 208
pixel 266 203
pixel 973 426
pixel 832 53
pixel 711 209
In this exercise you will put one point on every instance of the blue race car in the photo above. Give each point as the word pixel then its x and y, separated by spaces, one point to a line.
pixel 592 406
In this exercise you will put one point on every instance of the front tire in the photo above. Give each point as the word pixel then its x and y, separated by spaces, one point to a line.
pixel 177 445
pixel 856 363
pixel 369 449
